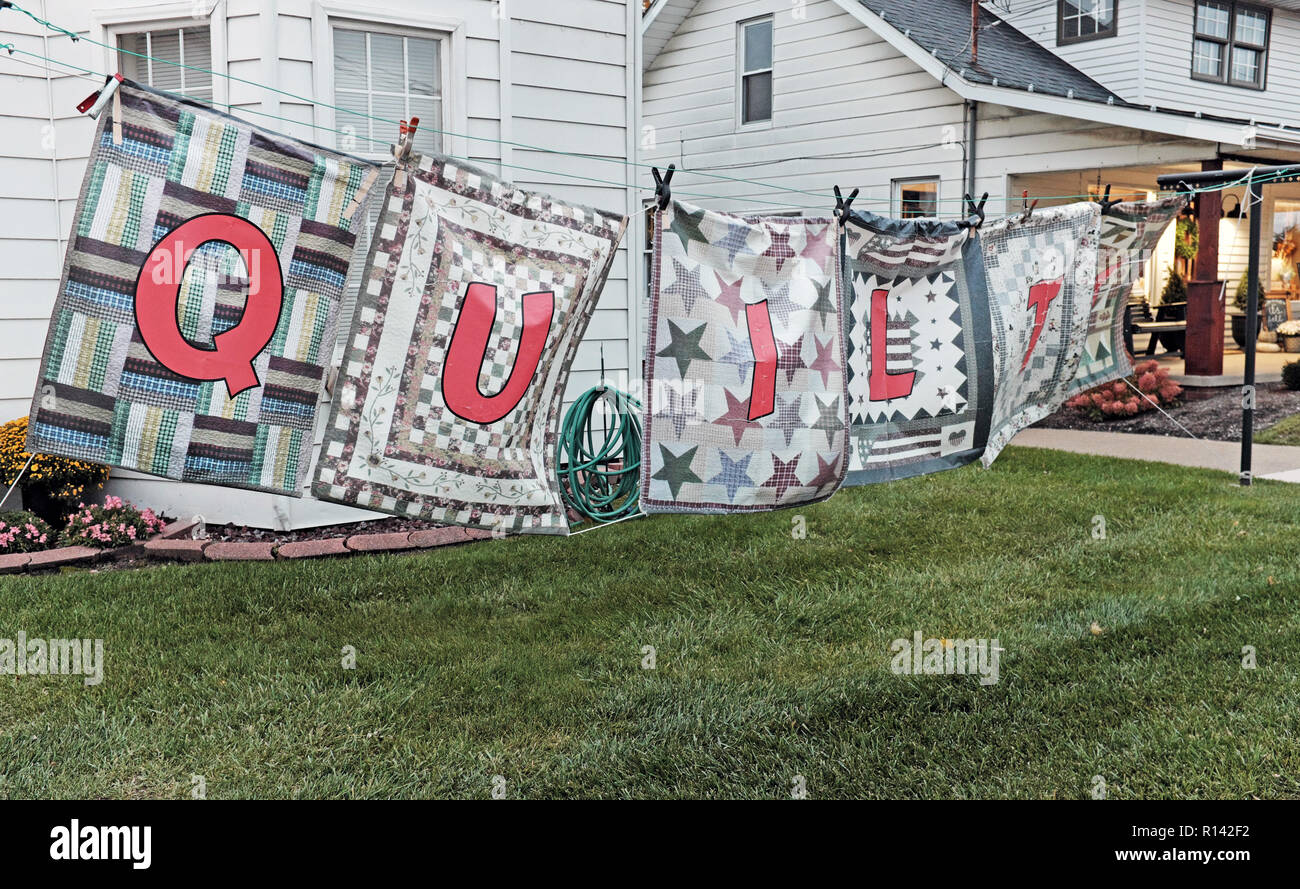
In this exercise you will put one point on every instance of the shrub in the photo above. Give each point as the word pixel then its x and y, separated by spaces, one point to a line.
pixel 1175 290
pixel 1291 374
pixel 62 479
pixel 115 523
pixel 1115 400
pixel 22 532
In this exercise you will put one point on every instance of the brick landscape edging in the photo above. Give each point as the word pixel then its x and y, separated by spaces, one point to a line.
pixel 173 544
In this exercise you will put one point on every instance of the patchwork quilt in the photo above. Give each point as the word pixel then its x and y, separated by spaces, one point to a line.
pixel 747 406
pixel 199 300
pixel 1129 232
pixel 475 298
pixel 920 347
pixel 1041 275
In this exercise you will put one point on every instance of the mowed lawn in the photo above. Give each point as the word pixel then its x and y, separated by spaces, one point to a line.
pixel 523 658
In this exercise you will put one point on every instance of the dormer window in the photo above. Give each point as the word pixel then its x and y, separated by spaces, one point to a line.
pixel 1080 20
pixel 1230 43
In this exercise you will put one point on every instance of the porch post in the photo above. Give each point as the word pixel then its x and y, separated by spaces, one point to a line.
pixel 1203 352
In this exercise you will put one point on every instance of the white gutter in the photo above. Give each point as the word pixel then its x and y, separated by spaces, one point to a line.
pixel 1082 109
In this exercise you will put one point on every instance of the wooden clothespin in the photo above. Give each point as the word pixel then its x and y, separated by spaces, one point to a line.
pixel 842 206
pixel 974 212
pixel 663 186
pixel 93 105
pixel 402 150
pixel 1026 208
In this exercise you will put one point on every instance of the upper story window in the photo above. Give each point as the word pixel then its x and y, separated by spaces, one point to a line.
pixel 1230 43
pixel 1079 20
pixel 755 74
pixel 388 75
pixel 916 198
pixel 143 57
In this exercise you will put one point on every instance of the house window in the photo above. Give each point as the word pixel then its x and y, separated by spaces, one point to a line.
pixel 1230 43
pixel 756 71
pixel 1079 20
pixel 392 76
pixel 143 56
pixel 916 198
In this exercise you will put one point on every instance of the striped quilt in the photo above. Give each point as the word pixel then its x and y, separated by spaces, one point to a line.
pixel 197 310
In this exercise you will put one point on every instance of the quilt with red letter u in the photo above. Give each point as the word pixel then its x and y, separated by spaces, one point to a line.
pixel 474 300
pixel 746 406
pixel 200 296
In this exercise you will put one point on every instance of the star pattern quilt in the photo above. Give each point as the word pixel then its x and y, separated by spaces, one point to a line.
pixel 199 300
pixel 920 347
pixel 475 298
pixel 1129 232
pixel 1041 275
pixel 747 406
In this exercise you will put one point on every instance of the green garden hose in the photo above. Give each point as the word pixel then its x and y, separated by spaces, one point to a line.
pixel 600 458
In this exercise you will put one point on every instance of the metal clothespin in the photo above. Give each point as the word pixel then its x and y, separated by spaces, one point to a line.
pixel 1026 208
pixel 842 206
pixel 974 212
pixel 663 186
pixel 1107 203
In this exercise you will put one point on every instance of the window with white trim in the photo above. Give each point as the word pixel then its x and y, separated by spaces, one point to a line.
pixel 915 198
pixel 755 71
pixel 391 75
pixel 1230 43
pixel 1080 20
pixel 143 56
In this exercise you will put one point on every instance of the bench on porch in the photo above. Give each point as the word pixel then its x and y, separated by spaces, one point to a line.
pixel 1168 327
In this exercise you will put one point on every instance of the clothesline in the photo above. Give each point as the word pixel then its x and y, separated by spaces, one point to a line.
pixel 718 177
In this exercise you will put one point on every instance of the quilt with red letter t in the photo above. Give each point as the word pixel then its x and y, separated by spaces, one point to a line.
pixel 1129 232
pixel 920 347
pixel 472 306
pixel 200 297
pixel 1041 275
pixel 747 405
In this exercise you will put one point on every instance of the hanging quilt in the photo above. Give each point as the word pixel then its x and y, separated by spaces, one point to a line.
pixel 474 301
pixel 198 305
pixel 1041 275
pixel 747 406
pixel 920 347
pixel 1129 232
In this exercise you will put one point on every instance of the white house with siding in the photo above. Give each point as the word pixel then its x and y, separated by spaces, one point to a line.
pixel 499 78
pixel 909 103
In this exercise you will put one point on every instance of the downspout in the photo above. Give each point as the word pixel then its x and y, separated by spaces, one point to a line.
pixel 971 114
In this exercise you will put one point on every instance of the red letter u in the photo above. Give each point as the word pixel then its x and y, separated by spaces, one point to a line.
pixel 469 345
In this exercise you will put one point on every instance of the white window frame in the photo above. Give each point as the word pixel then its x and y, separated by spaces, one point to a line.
pixel 741 74
pixel 896 194
pixel 111 23
pixel 327 14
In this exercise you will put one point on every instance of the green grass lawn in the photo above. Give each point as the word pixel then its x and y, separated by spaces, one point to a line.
pixel 523 658
pixel 1285 432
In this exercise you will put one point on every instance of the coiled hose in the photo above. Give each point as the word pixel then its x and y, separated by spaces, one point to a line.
pixel 600 479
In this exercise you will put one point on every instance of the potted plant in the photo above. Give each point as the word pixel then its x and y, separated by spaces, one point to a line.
pixel 1288 334
pixel 1237 314
pixel 51 486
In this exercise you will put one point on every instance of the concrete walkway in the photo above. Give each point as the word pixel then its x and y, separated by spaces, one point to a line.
pixel 1268 461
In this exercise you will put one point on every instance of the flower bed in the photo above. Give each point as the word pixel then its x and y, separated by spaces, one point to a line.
pixel 115 523
pixel 1149 386
pixel 22 532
